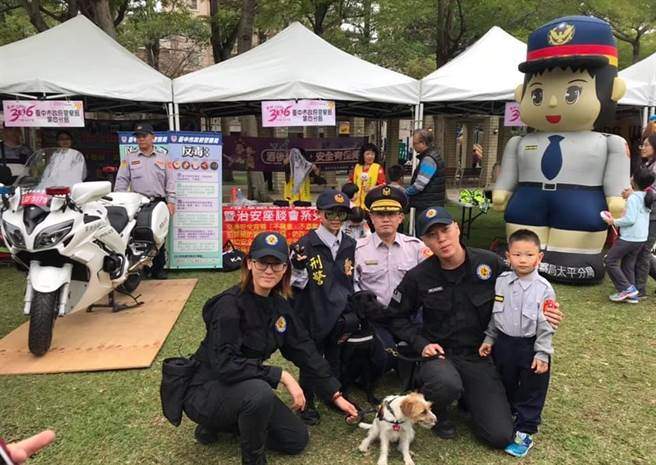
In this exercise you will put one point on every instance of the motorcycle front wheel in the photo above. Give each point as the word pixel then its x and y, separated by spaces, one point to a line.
pixel 43 312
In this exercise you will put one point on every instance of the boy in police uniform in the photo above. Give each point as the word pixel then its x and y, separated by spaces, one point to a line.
pixel 322 278
pixel 521 336
pixel 557 180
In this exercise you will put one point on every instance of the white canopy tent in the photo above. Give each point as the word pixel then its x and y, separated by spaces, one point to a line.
pixel 485 71
pixel 641 86
pixel 294 64
pixel 76 58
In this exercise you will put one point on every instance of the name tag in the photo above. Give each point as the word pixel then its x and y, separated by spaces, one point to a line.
pixel 135 162
pixel 371 262
pixel 435 289
pixel 530 147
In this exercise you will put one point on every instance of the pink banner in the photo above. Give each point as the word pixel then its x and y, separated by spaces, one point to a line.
pixel 511 116
pixel 47 113
pixel 277 113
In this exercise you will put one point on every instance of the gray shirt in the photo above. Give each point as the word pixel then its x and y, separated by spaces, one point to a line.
pixel 517 311
pixel 150 175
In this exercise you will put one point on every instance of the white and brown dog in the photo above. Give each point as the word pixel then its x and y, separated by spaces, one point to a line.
pixel 395 422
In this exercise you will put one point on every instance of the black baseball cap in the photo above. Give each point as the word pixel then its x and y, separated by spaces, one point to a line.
pixel 332 198
pixel 143 128
pixel 432 216
pixel 269 244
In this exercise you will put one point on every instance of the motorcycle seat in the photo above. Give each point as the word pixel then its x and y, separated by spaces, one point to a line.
pixel 118 217
pixel 131 201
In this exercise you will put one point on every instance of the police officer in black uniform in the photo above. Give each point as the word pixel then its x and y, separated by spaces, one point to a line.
pixel 233 389
pixel 454 288
pixel 323 280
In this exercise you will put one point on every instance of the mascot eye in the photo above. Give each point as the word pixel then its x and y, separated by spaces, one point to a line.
pixel 536 96
pixel 573 93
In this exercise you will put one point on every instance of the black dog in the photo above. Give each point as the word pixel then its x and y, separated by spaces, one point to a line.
pixel 363 359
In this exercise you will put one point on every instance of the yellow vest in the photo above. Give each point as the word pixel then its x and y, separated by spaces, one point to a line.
pixel 364 186
pixel 303 193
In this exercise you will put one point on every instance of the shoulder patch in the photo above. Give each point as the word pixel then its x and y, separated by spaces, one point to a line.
pixel 484 271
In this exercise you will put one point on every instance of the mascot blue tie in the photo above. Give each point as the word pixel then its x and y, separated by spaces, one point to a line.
pixel 552 159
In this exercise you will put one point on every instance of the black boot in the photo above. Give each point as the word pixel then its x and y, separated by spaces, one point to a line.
pixel 205 436
pixel 444 428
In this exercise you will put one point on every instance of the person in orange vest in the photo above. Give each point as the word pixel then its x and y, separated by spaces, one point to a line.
pixel 367 173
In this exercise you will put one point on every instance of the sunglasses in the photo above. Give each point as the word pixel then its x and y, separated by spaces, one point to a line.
pixel 262 266
pixel 332 215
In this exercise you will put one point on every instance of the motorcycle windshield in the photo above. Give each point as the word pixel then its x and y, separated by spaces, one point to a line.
pixel 61 167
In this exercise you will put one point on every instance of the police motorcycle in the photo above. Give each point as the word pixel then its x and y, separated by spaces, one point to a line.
pixel 77 241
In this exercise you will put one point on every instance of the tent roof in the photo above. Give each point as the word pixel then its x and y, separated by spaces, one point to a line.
pixel 78 58
pixel 296 64
pixel 485 71
pixel 640 82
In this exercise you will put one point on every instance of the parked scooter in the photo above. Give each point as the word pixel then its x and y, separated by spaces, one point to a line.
pixel 77 241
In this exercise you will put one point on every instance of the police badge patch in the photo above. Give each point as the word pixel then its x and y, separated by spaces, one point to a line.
pixel 484 272
pixel 281 325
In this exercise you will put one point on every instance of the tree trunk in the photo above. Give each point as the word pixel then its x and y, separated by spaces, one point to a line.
pixel 443 27
pixel 221 39
pixel 366 30
pixel 152 54
pixel 32 7
pixel 246 22
pixel 102 16
pixel 635 57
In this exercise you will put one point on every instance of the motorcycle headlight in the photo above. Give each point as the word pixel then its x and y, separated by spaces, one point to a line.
pixel 52 235
pixel 13 236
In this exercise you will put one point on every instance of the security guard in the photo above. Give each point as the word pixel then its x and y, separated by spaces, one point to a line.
pixel 149 173
pixel 323 281
pixel 383 259
pixel 233 388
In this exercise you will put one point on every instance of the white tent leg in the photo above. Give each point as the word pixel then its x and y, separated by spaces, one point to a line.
pixel 176 116
pixel 169 112
pixel 418 123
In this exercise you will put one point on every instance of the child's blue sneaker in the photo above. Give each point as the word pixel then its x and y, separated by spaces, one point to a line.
pixel 520 445
pixel 629 293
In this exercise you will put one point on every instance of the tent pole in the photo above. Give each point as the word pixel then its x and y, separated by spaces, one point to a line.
pixel 418 117
pixel 176 115
pixel 169 112
pixel 645 117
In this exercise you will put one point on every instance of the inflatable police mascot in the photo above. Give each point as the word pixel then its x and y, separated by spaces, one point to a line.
pixel 558 179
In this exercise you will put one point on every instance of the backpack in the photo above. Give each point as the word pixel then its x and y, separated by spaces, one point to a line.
pixel 232 257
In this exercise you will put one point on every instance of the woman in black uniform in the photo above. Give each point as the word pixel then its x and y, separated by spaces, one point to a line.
pixel 233 388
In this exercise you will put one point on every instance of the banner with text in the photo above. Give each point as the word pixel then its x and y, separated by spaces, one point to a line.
pixel 242 224
pixel 269 154
pixel 47 113
pixel 195 236
pixel 283 113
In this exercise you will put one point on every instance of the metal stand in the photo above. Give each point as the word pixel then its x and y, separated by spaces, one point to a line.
pixel 115 306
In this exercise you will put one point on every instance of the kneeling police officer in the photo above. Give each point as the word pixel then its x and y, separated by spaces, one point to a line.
pixel 233 388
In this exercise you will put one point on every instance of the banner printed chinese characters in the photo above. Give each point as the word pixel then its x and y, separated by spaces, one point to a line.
pixel 195 235
pixel 48 113
pixel 284 113
pixel 268 153
pixel 242 224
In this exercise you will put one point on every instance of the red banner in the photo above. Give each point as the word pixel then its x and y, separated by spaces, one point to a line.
pixel 242 224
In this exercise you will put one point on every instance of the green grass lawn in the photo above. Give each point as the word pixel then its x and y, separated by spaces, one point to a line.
pixel 601 407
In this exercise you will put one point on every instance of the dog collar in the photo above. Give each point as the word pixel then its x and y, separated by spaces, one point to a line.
pixel 387 406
